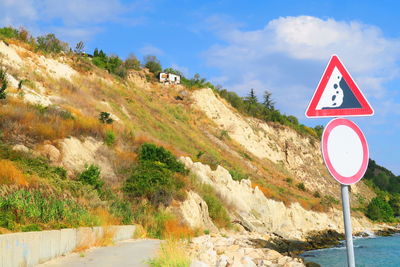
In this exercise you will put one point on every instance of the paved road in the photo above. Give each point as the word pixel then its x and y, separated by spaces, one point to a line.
pixel 127 253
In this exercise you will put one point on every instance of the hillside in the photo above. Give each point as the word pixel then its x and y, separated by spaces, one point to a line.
pixel 79 140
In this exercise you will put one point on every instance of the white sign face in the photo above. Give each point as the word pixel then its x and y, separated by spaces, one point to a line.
pixel 345 151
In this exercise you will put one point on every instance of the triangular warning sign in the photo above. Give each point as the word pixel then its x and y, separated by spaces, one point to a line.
pixel 337 95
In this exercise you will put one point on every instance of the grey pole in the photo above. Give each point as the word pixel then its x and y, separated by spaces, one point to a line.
pixel 347 226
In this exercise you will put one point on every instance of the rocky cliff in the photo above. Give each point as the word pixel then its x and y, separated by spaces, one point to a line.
pixel 53 107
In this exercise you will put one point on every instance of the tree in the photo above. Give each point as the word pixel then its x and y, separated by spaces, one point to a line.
pixel 79 48
pixel 50 44
pixel 268 102
pixel 132 63
pixel 153 64
pixel 251 99
pixel 174 71
pixel 379 210
pixel 3 83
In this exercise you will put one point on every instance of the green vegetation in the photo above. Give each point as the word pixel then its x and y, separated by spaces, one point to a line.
pixel 380 210
pixel 157 177
pixel 153 64
pixel 158 154
pixel 25 206
pixel 386 206
pixel 171 254
pixel 238 175
pixel 91 176
pixel 301 186
pixel 3 83
pixel 105 117
pixel 109 139
pixel 216 209
pixel 42 197
pixel 50 44
pixel 265 110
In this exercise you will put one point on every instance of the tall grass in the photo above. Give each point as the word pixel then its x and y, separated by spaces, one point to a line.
pixel 171 254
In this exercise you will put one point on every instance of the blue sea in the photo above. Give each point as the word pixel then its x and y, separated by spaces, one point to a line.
pixel 372 251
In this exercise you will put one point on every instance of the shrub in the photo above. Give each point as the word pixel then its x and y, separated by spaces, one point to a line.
pixel 3 83
pixel 110 138
pixel 122 210
pixel 105 117
pixel 91 176
pixel 154 182
pixel 132 63
pixel 153 64
pixel 289 180
pixel 301 186
pixel 379 210
pixel 151 152
pixel 8 32
pixel 50 44
pixel 317 194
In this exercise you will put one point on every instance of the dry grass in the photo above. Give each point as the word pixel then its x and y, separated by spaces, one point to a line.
pixel 171 254
pixel 176 230
pixel 10 174
pixel 19 120
pixel 106 239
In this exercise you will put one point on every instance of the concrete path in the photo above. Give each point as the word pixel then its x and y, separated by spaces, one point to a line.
pixel 127 253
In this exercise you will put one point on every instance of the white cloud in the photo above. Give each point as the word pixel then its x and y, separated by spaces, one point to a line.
pixel 288 56
pixel 74 20
pixel 151 50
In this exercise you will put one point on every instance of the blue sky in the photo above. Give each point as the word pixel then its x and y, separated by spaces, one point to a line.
pixel 280 46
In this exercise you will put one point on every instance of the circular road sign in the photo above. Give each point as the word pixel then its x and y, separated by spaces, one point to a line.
pixel 345 151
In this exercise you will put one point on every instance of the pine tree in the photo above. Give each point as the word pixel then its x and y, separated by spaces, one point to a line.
pixel 268 102
pixel 252 98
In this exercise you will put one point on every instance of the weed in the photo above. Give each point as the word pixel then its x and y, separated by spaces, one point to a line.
pixel 171 254
pixel 109 139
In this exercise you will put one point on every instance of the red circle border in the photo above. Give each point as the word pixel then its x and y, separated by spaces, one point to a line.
pixel 324 147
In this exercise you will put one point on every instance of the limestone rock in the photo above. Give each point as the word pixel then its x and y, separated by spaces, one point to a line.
pixel 50 152
pixel 251 209
pixel 75 154
pixel 194 212
pixel 20 148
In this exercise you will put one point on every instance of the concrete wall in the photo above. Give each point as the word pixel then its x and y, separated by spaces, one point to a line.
pixel 31 248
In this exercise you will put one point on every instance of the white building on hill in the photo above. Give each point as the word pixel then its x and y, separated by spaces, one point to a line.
pixel 169 78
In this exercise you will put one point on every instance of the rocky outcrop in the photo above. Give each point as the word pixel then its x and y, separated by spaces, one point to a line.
pixel 252 209
pixel 299 154
pixel 74 154
pixel 194 211
pixel 236 250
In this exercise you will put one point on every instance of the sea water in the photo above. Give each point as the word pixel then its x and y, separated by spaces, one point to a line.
pixel 372 251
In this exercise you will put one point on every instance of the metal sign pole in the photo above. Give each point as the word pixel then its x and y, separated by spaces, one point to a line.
pixel 347 225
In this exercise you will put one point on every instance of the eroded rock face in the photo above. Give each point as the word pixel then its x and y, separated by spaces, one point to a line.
pixel 300 155
pixel 253 210
pixel 194 211
pixel 74 154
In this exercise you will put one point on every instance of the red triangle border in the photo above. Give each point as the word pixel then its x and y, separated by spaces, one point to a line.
pixel 312 112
